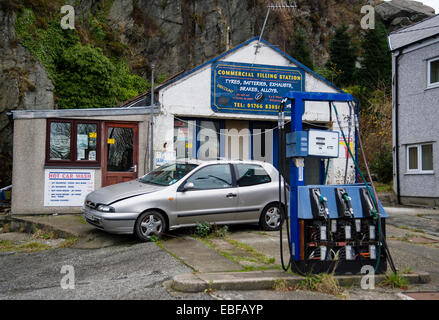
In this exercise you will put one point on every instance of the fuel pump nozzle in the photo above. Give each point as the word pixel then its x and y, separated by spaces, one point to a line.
pixel 344 205
pixel 319 207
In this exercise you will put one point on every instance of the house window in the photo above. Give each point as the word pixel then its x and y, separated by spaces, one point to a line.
pixel 420 158
pixel 433 72
pixel 72 142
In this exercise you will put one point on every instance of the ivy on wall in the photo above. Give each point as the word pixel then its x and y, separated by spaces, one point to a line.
pixel 85 75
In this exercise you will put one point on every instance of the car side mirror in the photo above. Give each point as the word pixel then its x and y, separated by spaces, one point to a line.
pixel 188 186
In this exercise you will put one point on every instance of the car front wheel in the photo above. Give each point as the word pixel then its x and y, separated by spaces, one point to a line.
pixel 148 224
pixel 271 217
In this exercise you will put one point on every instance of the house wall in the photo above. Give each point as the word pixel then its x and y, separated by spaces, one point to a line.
pixel 418 122
pixel 190 96
pixel 29 163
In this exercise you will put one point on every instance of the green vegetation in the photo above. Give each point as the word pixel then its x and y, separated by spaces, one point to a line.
pixel 247 253
pixel 301 51
pixel 202 229
pixel 45 235
pixel 323 282
pixel 281 285
pixel 256 255
pixel 68 242
pixel 205 229
pixel 394 280
pixel 81 219
pixel 383 187
pixel 360 63
pixel 376 63
pixel 407 270
pixel 87 66
pixel 220 232
pixel 7 246
pixel 342 57
pixel 382 164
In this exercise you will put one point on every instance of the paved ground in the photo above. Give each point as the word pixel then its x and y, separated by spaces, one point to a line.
pixel 118 267
pixel 122 272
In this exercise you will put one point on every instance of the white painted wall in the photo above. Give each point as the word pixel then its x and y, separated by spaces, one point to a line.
pixel 191 97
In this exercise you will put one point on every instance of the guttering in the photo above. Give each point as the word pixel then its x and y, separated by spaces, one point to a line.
pixel 41 114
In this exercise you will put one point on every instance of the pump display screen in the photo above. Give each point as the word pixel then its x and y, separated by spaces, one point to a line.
pixel 323 143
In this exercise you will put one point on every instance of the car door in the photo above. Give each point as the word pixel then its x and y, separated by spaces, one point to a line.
pixel 255 190
pixel 213 197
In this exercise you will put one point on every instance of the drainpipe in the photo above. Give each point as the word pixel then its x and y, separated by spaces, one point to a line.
pixel 396 101
pixel 151 121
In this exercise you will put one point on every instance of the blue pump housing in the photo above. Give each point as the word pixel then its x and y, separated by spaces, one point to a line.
pixel 328 191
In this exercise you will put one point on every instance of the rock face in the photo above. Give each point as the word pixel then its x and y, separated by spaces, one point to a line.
pixel 179 35
pixel 24 84
pixel 400 13
pixel 186 32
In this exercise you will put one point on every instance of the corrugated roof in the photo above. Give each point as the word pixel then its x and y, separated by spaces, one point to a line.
pixel 422 30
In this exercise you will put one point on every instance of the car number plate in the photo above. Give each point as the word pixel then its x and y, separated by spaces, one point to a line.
pixel 90 217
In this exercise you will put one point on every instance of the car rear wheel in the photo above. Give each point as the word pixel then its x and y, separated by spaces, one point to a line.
pixel 149 224
pixel 271 217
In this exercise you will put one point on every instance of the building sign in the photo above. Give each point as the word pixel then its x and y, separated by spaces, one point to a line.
pixel 67 187
pixel 254 89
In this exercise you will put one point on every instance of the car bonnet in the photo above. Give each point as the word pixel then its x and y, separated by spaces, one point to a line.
pixel 120 191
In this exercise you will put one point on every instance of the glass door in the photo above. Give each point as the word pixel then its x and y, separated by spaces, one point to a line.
pixel 120 154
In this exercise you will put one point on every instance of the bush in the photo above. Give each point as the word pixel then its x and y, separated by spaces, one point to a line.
pixel 203 229
pixel 85 79
pixel 83 76
pixel 88 79
pixel 382 164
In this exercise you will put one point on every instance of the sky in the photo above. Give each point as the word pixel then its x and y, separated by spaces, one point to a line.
pixel 431 3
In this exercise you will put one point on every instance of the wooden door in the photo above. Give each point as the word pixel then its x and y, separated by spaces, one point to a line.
pixel 121 145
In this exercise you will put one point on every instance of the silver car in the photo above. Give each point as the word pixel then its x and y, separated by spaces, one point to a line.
pixel 182 194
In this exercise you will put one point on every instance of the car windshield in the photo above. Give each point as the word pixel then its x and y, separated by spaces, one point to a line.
pixel 168 174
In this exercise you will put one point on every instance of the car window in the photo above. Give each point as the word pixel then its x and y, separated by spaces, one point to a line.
pixel 251 174
pixel 168 174
pixel 212 177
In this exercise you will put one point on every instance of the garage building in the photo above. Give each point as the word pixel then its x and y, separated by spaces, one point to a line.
pixel 224 108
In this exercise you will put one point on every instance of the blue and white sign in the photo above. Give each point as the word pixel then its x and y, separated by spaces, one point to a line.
pixel 67 187
pixel 252 89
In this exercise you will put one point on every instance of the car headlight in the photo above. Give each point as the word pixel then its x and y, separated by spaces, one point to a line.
pixel 105 208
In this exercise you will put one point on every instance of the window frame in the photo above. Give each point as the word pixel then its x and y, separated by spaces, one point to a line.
pixel 250 164
pixel 429 83
pixel 232 173
pixel 419 169
pixel 72 162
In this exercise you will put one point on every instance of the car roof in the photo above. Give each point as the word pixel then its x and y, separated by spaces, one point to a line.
pixel 212 161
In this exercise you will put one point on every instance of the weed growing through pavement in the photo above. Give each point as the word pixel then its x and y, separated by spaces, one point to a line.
pixel 45 235
pixel 394 280
pixel 68 242
pixel 202 229
pixel 323 283
pixel 7 246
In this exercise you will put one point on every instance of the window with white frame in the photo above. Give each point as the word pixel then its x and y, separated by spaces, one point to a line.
pixel 420 158
pixel 433 72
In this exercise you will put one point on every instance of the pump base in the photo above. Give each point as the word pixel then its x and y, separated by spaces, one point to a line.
pixel 342 267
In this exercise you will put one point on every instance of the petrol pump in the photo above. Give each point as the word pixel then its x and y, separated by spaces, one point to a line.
pixel 331 228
